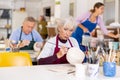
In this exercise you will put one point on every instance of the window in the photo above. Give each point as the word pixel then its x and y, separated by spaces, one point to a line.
pixel 109 13
pixel 112 10
pixel 47 12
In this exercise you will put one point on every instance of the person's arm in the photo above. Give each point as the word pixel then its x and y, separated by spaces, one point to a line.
pixel 47 54
pixel 81 19
pixel 113 35
pixel 104 29
pixel 23 43
pixel 51 59
pixel 37 36
pixel 47 60
pixel 14 36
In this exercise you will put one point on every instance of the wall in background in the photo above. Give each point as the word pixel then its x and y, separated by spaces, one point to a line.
pixel 6 4
pixel 36 8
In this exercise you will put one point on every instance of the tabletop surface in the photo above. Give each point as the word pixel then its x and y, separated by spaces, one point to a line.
pixel 47 72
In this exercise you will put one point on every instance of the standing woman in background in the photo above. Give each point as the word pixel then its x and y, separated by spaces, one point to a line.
pixel 42 29
pixel 89 21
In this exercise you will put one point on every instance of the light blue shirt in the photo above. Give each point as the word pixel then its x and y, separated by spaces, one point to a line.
pixel 16 35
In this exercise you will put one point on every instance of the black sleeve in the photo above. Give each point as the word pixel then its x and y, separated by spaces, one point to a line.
pixel 47 60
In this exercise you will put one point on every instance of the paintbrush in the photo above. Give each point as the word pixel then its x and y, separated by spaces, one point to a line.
pixel 58 45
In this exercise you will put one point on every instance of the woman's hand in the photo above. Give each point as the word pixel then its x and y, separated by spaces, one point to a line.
pixel 117 36
pixel 92 33
pixel 113 35
pixel 62 52
pixel 85 30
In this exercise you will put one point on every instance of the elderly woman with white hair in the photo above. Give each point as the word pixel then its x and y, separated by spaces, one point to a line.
pixel 55 49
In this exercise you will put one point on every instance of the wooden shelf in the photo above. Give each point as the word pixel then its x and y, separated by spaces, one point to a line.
pixel 7 16
pixel 4 28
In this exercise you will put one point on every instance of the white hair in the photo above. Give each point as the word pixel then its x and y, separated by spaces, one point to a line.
pixel 69 22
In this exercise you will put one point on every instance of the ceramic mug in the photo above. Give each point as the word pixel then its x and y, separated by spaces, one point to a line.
pixel 80 72
pixel 93 70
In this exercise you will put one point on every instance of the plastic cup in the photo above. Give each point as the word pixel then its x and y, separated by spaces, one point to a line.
pixel 109 69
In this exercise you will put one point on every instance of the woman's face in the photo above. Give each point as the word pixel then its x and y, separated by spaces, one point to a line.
pixel 40 18
pixel 65 32
pixel 100 10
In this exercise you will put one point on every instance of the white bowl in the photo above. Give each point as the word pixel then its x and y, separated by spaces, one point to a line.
pixel 75 56
pixel 37 46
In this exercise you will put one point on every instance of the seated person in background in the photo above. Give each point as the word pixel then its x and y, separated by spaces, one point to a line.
pixel 26 36
pixel 42 29
pixel 55 49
